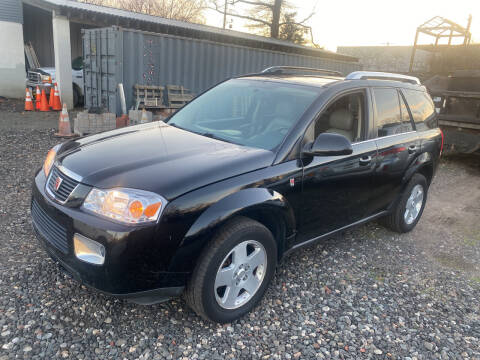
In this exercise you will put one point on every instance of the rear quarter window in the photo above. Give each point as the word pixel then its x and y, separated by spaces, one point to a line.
pixel 422 109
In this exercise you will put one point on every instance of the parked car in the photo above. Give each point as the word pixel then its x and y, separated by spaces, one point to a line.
pixel 44 77
pixel 208 203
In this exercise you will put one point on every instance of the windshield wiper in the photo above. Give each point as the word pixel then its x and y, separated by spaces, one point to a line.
pixel 209 135
pixel 206 134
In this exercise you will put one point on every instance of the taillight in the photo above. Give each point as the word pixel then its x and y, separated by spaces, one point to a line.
pixel 441 146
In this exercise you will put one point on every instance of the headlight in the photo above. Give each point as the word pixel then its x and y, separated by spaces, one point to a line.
pixel 46 78
pixel 49 160
pixel 130 206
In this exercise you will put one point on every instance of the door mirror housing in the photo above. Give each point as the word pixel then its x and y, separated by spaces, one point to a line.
pixel 329 144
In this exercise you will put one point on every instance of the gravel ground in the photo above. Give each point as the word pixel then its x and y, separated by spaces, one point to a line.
pixel 368 294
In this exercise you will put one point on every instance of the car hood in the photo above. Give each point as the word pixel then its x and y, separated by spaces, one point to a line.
pixel 158 157
pixel 48 70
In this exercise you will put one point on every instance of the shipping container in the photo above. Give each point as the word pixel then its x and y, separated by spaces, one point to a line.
pixel 116 55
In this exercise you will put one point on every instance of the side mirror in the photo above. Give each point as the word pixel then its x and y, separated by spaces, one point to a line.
pixel 329 144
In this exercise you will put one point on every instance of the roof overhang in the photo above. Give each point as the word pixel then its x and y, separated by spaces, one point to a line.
pixel 102 16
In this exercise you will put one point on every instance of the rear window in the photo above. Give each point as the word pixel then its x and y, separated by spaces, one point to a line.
pixel 389 119
pixel 422 108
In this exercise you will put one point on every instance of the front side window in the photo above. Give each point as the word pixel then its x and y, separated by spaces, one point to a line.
pixel 255 113
pixel 345 116
pixel 389 119
pixel 422 108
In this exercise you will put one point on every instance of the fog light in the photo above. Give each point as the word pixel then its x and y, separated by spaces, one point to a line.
pixel 88 250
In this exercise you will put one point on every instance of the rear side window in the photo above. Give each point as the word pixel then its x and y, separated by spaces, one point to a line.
pixel 422 108
pixel 389 119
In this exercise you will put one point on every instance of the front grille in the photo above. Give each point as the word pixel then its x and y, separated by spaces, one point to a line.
pixel 66 186
pixel 52 231
pixel 34 76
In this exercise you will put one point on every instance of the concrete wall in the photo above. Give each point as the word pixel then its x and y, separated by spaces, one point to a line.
pixel 63 58
pixel 388 58
pixel 12 60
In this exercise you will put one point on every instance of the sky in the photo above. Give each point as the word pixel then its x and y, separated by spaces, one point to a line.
pixel 373 22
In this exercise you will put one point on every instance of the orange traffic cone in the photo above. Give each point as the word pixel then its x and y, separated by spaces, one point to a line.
pixel 28 101
pixel 64 129
pixel 56 105
pixel 37 98
pixel 50 97
pixel 43 102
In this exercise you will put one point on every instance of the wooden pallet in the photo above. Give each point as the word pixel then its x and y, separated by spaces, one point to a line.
pixel 178 96
pixel 149 95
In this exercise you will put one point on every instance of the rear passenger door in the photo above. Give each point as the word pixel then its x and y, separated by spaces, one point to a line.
pixel 397 143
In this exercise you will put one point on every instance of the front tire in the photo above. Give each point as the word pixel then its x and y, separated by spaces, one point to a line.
pixel 233 271
pixel 409 209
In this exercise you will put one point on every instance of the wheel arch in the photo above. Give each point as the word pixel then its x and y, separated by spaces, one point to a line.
pixel 423 164
pixel 427 171
pixel 268 207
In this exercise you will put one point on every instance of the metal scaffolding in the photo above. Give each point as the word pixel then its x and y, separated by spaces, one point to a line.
pixel 439 27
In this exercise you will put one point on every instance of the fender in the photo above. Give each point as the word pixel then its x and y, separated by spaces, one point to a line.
pixel 422 160
pixel 238 203
pixel 241 202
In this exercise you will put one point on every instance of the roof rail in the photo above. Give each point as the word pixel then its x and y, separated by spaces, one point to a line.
pixel 281 69
pixel 375 75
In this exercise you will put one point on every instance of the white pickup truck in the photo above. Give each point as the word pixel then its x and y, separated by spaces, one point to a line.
pixel 44 77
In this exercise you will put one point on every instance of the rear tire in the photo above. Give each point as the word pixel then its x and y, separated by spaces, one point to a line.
pixel 77 97
pixel 406 214
pixel 222 270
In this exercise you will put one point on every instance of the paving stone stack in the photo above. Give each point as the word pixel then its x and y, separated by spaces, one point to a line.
pixel 86 123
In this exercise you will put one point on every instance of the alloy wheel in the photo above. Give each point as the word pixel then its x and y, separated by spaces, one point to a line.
pixel 240 274
pixel 414 204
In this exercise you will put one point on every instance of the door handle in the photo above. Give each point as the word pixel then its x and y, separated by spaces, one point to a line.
pixel 412 149
pixel 365 160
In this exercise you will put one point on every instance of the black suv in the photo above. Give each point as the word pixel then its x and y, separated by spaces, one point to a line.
pixel 208 202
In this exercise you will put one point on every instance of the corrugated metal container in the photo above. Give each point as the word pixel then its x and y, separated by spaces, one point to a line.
pixel 11 11
pixel 114 55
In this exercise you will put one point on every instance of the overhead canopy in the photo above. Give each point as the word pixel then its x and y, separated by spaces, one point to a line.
pixel 105 16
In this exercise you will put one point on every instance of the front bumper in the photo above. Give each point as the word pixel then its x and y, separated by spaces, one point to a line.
pixel 43 86
pixel 135 266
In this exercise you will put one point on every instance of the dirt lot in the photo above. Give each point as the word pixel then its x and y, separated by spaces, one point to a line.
pixel 369 293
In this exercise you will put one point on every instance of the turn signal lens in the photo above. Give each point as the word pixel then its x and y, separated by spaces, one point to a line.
pixel 50 159
pixel 151 210
pixel 130 206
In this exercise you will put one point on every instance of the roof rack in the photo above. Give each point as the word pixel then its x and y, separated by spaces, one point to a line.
pixel 281 69
pixel 374 75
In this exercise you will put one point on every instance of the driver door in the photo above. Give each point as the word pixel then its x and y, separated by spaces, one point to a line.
pixel 337 189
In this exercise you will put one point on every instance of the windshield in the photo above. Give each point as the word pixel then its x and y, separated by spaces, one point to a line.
pixel 246 112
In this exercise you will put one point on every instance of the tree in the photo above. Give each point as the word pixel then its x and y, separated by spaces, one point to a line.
pixel 183 10
pixel 274 18
pixel 291 31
